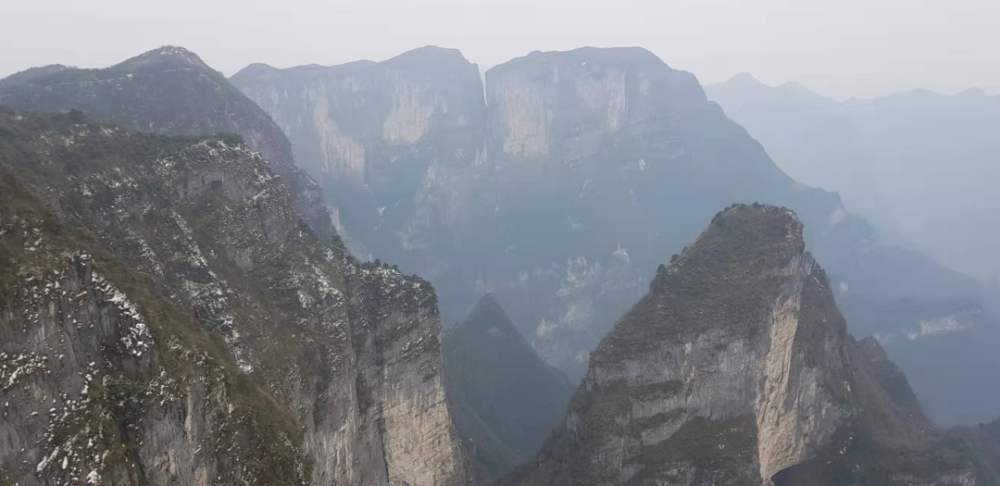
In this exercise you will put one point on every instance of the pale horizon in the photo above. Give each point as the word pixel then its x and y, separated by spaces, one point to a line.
pixel 841 49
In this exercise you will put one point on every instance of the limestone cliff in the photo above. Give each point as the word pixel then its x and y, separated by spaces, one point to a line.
pixel 627 157
pixel 173 92
pixel 388 141
pixel 737 368
pixel 167 318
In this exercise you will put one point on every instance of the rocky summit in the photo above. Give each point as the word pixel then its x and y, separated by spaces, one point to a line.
pixel 737 368
pixel 169 91
pixel 166 317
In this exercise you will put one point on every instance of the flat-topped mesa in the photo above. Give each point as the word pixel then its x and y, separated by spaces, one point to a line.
pixel 736 368
pixel 564 103
pixel 170 91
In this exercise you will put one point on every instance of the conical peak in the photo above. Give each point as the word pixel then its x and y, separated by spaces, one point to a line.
pixel 487 314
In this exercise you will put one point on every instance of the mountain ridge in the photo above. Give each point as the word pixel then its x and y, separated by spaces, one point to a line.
pixel 171 91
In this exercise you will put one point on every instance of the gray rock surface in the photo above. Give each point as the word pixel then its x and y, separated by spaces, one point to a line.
pixel 394 143
pixel 167 318
pixel 737 368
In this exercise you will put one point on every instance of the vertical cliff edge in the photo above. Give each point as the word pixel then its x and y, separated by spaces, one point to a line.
pixel 393 143
pixel 166 317
pixel 737 368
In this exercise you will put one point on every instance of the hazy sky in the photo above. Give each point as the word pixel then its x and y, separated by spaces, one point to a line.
pixel 838 47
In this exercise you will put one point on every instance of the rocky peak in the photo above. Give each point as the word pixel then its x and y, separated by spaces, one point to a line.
pixel 162 58
pixel 171 91
pixel 736 368
pixel 488 315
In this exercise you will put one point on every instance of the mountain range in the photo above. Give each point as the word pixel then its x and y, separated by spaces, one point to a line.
pixel 910 162
pixel 180 303
pixel 575 174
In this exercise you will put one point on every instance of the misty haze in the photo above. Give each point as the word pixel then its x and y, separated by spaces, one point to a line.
pixel 447 242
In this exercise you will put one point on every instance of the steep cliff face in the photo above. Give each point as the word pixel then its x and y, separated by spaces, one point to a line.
pixel 388 140
pixel 599 165
pixel 169 91
pixel 505 400
pixel 544 195
pixel 167 318
pixel 613 159
pixel 886 156
pixel 561 104
pixel 736 368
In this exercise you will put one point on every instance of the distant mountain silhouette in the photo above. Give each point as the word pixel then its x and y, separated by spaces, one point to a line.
pixel 504 399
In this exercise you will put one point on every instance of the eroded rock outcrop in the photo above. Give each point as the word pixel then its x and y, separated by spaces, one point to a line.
pixel 166 317
pixel 737 368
